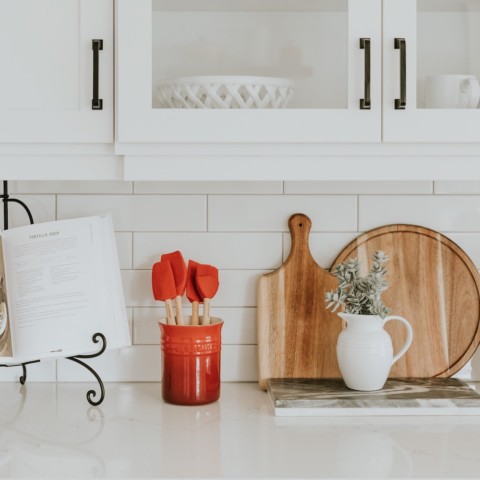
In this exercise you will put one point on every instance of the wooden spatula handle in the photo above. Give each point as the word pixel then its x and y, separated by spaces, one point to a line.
pixel 170 314
pixel 178 307
pixel 206 311
pixel 194 313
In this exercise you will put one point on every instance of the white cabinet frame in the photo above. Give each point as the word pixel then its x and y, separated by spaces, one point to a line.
pixel 415 124
pixel 138 122
pixel 65 125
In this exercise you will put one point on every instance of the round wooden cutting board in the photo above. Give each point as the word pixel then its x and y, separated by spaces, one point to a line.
pixel 436 287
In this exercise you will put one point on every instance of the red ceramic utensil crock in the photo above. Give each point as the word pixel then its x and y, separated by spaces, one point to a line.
pixel 192 293
pixel 206 280
pixel 179 270
pixel 163 286
pixel 191 362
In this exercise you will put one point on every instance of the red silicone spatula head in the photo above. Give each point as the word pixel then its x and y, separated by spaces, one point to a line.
pixel 207 281
pixel 179 270
pixel 163 282
pixel 192 293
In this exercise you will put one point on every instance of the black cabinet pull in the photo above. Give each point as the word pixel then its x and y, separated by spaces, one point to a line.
pixel 400 103
pixel 97 103
pixel 365 103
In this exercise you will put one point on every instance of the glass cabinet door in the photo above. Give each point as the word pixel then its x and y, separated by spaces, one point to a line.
pixel 431 70
pixel 255 71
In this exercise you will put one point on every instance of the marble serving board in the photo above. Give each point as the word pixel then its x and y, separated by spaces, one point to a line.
pixel 297 397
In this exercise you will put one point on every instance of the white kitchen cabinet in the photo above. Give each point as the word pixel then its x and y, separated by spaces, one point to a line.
pixel 315 43
pixel 49 81
pixel 441 37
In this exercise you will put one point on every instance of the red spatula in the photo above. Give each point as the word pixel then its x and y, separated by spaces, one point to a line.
pixel 207 284
pixel 163 286
pixel 180 276
pixel 192 293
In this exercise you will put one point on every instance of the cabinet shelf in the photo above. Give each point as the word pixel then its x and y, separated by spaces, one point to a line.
pixel 249 5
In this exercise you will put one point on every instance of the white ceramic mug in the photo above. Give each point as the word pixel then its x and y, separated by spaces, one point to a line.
pixel 452 91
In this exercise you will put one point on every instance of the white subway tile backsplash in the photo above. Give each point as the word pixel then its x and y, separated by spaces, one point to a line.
pixel 465 373
pixel 239 363
pixel 237 289
pixel 124 248
pixel 132 291
pixel 42 208
pixel 439 212
pixel 475 367
pixel 44 371
pixel 241 227
pixel 224 250
pixel 139 213
pixel 270 213
pixel 142 363
pixel 56 187
pixel 470 243
pixel 130 321
pixel 139 363
pixel 324 246
pixel 239 325
pixel 459 187
pixel 145 325
pixel 352 187
pixel 245 188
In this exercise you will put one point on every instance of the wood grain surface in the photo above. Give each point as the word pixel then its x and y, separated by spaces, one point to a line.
pixel 435 286
pixel 296 335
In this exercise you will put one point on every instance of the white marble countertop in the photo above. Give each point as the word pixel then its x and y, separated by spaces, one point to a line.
pixel 49 430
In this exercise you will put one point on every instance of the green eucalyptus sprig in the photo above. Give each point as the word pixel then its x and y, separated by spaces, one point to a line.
pixel 356 294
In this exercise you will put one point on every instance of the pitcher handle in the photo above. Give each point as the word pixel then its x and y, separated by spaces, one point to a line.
pixel 470 89
pixel 408 342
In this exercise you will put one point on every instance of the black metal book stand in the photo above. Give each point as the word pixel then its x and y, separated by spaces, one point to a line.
pixel 97 337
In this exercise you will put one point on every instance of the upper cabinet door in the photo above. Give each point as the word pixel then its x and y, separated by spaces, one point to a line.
pixel 329 49
pixel 53 69
pixel 431 57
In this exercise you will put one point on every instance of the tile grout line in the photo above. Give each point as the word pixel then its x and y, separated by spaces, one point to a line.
pixel 132 269
pixel 358 213
pixel 207 205
pixel 56 218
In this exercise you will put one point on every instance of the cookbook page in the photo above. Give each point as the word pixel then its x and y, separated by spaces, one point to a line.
pixel 56 283
pixel 5 331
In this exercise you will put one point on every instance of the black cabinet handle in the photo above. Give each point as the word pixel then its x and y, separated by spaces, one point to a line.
pixel 97 103
pixel 365 103
pixel 400 103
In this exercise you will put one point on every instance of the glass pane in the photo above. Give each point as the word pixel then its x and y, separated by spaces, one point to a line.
pixel 303 42
pixel 448 54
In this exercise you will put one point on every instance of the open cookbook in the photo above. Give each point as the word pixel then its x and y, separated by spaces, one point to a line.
pixel 59 284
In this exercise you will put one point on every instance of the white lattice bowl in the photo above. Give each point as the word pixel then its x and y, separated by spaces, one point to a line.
pixel 225 92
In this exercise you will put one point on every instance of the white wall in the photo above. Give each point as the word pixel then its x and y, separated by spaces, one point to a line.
pixel 241 228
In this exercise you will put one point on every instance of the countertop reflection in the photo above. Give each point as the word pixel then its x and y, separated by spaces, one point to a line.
pixel 49 431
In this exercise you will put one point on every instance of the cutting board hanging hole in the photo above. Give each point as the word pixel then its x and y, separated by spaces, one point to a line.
pixel 299 225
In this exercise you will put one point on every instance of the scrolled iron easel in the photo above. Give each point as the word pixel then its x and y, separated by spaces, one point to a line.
pixel 96 338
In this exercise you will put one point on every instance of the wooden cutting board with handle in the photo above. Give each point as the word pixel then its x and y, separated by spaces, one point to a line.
pixel 296 334
pixel 436 287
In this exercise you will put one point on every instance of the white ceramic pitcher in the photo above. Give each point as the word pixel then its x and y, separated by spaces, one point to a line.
pixel 365 351
pixel 452 91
